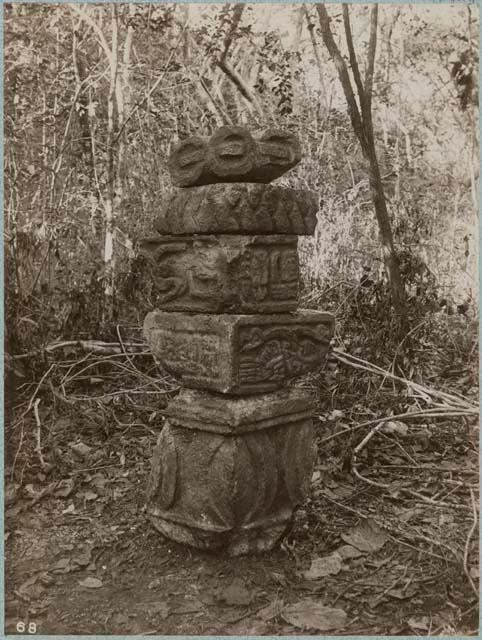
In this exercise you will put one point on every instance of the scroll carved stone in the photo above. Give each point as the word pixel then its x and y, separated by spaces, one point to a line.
pixel 234 457
pixel 231 154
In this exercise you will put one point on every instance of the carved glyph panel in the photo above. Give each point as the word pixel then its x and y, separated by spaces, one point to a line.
pixel 239 353
pixel 223 274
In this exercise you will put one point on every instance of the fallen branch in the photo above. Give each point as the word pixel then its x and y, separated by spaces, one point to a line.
pixel 386 487
pixel 38 447
pixel 359 363
pixel 467 545
pixel 387 527
pixel 93 346
pixel 426 413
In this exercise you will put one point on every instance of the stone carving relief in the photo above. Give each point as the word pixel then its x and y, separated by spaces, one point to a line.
pixel 231 154
pixel 226 486
pixel 224 273
pixel 238 208
pixel 238 354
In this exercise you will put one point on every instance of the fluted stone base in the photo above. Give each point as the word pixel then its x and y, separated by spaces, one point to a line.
pixel 237 490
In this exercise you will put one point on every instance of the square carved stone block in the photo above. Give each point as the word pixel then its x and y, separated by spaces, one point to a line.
pixel 207 411
pixel 223 274
pixel 237 492
pixel 239 354
pixel 239 208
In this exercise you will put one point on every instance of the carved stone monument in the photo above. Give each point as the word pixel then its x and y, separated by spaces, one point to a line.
pixel 235 456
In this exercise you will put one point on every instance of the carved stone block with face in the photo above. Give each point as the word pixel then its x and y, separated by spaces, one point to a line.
pixel 223 274
pixel 239 354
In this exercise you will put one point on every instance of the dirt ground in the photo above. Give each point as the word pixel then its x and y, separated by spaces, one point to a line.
pixel 358 559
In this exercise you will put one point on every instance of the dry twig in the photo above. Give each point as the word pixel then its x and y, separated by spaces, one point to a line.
pixel 38 447
pixel 358 363
pixel 467 545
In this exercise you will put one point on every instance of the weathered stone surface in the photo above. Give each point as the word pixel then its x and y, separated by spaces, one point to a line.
pixel 216 274
pixel 239 208
pixel 206 411
pixel 231 154
pixel 210 490
pixel 239 354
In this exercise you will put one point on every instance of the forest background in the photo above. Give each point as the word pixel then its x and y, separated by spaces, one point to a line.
pixel 95 95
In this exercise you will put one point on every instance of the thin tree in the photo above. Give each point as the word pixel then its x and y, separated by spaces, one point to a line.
pixel 361 120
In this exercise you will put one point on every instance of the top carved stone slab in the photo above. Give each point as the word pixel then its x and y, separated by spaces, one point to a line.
pixel 231 154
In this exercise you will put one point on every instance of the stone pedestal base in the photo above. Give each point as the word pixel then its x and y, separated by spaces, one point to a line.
pixel 233 543
pixel 235 488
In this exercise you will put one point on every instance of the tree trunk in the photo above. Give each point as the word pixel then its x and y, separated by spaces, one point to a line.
pixel 386 237
pixel 361 119
pixel 110 201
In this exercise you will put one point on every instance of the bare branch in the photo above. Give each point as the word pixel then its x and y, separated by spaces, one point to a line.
pixel 229 70
pixel 311 27
pixel 91 22
pixel 146 97
pixel 372 46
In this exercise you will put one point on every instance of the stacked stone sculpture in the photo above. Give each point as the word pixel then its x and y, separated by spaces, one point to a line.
pixel 235 455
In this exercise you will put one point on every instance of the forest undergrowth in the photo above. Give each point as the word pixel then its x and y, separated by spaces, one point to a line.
pixel 386 543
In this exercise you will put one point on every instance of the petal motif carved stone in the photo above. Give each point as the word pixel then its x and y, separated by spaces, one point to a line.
pixel 239 354
pixel 224 274
pixel 237 491
pixel 231 154
pixel 238 208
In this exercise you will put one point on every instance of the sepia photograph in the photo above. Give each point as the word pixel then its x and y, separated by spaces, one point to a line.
pixel 241 319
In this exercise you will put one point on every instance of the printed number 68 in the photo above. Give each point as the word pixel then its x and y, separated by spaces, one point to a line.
pixel 30 628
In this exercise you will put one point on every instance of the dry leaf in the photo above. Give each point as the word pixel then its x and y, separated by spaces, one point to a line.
pixel 88 495
pixel 400 594
pixel 91 583
pixel 346 551
pixel 236 594
pixel 83 558
pixel 69 509
pixel 395 427
pixel 324 566
pixel 80 449
pixel 309 614
pixel 61 565
pixel 366 536
pixel 65 488
pixel 161 609
pixel 28 583
pixel 422 623
pixel 271 611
